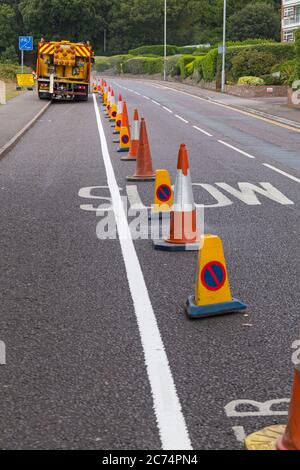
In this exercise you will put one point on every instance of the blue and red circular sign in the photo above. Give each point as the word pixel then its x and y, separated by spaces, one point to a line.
pixel 213 275
pixel 114 113
pixel 164 193
pixel 125 139
pixel 119 123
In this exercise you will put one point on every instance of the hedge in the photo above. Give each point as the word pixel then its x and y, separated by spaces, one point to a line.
pixel 114 62
pixel 252 81
pixel 143 65
pixel 209 66
pixel 8 71
pixel 197 68
pixel 158 50
pixel 183 62
pixel 297 53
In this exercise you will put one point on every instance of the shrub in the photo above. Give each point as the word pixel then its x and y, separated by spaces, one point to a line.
pixel 297 51
pixel 183 62
pixel 197 68
pixel 272 80
pixel 114 62
pixel 172 67
pixel 101 64
pixel 252 81
pixel 9 56
pixel 8 71
pixel 187 49
pixel 252 63
pixel 209 66
pixel 153 50
pixel 143 65
pixel 287 71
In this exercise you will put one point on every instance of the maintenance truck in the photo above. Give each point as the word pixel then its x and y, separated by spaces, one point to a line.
pixel 64 70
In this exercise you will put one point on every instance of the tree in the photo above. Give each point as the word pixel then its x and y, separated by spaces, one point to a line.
pixel 8 26
pixel 258 20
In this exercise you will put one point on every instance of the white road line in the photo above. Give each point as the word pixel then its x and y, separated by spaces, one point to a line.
pixel 155 102
pixel 236 149
pixel 282 172
pixel 137 93
pixel 203 131
pixel 170 420
pixel 129 89
pixel 146 97
pixel 167 109
pixel 181 118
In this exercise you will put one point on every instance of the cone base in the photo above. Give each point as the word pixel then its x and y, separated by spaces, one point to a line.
pixel 158 215
pixel 128 159
pixel 116 133
pixel 195 311
pixel 140 178
pixel 123 150
pixel 163 245
pixel 265 439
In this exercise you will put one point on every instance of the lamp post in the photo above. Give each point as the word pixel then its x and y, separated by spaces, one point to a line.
pixel 224 47
pixel 165 41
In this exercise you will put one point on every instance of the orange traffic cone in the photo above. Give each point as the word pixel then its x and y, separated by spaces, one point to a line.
pixel 124 144
pixel 279 437
pixel 134 145
pixel 144 170
pixel 105 93
pixel 118 116
pixel 113 108
pixel 184 235
pixel 108 101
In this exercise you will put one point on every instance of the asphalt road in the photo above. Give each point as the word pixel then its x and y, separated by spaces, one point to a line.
pixel 75 373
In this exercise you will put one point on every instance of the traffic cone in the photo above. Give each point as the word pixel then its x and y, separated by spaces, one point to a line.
pixel 134 144
pixel 280 437
pixel 113 108
pixel 124 144
pixel 105 95
pixel 107 107
pixel 184 235
pixel 144 170
pixel 212 294
pixel 99 86
pixel 118 116
pixel 163 196
pixel 95 88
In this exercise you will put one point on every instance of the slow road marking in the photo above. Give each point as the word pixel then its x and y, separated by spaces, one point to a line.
pixel 170 420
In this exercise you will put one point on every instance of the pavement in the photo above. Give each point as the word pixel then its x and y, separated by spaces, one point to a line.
pixel 79 374
pixel 17 113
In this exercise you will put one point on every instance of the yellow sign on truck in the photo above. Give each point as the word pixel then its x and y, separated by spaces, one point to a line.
pixel 64 70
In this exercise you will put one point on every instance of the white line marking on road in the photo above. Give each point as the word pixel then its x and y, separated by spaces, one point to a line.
pixel 236 149
pixel 155 102
pixel 181 118
pixel 167 109
pixel 170 420
pixel 146 97
pixel 282 172
pixel 137 93
pixel 129 89
pixel 202 130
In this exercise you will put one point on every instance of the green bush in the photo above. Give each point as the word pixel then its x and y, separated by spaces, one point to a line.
pixel 209 66
pixel 287 71
pixel 153 50
pixel 114 62
pixel 143 65
pixel 272 80
pixel 101 64
pixel 187 49
pixel 252 81
pixel 252 63
pixel 9 56
pixel 197 68
pixel 9 71
pixel 172 65
pixel 183 62
pixel 297 52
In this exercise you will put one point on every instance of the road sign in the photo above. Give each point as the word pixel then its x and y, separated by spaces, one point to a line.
pixel 163 193
pixel 221 49
pixel 25 43
pixel 125 139
pixel 213 275
pixel 25 79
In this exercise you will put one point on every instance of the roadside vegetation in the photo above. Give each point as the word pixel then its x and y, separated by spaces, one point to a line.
pixel 252 62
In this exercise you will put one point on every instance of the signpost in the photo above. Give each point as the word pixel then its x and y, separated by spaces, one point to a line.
pixel 25 44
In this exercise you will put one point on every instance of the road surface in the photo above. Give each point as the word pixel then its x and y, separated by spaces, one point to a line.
pixel 79 365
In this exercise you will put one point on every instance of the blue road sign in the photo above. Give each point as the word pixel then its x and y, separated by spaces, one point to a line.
pixel 213 276
pixel 164 192
pixel 25 43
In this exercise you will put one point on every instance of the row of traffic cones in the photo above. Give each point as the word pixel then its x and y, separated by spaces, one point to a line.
pixel 212 293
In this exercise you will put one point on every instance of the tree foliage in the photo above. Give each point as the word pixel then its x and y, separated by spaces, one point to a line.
pixel 133 23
